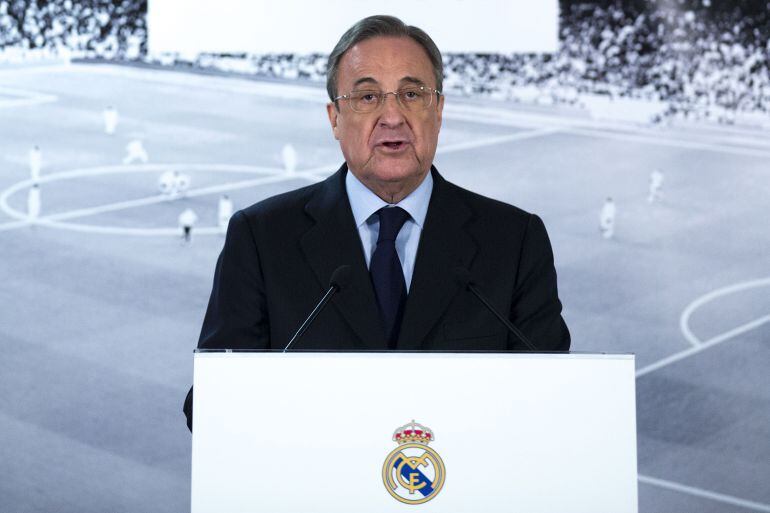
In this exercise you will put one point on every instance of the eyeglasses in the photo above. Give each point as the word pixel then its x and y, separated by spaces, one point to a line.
pixel 413 99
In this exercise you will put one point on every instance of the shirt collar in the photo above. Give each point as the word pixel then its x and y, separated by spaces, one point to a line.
pixel 364 203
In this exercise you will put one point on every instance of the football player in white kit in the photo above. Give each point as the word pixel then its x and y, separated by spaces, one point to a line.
pixel 35 163
pixel 289 155
pixel 110 120
pixel 173 183
pixel 224 212
pixel 135 152
pixel 607 219
pixel 167 183
pixel 181 183
pixel 656 184
pixel 33 202
pixel 187 220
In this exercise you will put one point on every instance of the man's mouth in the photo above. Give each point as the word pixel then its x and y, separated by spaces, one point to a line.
pixel 393 145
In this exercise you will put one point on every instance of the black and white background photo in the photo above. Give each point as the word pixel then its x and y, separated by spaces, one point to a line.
pixel 638 130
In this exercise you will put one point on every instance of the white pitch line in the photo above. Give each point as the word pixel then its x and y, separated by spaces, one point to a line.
pixel 737 331
pixel 296 92
pixel 24 98
pixel 23 102
pixel 697 345
pixel 681 355
pixel 584 129
pixel 35 68
pixel 120 230
pixel 684 319
pixel 675 143
pixel 151 200
pixel 54 220
pixel 130 168
pixel 496 140
pixel 12 225
pixel 493 115
pixel 593 128
pixel 706 494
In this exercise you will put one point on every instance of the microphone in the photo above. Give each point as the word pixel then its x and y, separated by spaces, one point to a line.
pixel 339 280
pixel 464 278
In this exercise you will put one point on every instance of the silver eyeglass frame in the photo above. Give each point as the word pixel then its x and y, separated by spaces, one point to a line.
pixel 397 94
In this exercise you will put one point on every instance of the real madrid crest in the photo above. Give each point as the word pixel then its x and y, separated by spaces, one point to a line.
pixel 413 473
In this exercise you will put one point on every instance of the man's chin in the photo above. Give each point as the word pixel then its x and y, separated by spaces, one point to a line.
pixel 395 169
pixel 396 177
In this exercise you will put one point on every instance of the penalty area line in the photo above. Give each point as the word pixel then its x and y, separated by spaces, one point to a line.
pixel 696 345
pixel 681 355
pixel 192 193
pixel 706 494
pixel 684 319
pixel 55 220
pixel 451 148
pixel 12 225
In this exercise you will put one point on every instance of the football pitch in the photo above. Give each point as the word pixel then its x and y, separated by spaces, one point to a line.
pixel 102 301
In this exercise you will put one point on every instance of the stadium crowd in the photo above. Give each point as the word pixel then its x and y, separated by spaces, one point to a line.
pixel 704 58
pixel 109 29
pixel 700 58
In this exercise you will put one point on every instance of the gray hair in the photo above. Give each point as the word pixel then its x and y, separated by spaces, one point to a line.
pixel 381 26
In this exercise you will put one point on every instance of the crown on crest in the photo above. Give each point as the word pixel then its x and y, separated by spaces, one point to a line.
pixel 413 433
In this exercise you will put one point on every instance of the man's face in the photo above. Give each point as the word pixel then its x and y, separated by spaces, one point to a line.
pixel 391 149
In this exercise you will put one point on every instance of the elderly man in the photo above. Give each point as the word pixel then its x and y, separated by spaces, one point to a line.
pixel 412 240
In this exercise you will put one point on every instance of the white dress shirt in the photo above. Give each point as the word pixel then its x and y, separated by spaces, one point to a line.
pixel 365 203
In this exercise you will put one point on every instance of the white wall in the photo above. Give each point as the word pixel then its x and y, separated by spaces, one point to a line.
pixel 295 26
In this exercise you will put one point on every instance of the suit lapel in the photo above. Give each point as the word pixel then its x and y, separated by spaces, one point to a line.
pixel 334 241
pixel 444 245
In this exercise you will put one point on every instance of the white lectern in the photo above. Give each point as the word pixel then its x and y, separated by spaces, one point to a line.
pixel 330 432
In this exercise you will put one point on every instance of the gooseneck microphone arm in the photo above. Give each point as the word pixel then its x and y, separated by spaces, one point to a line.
pixel 465 280
pixel 339 280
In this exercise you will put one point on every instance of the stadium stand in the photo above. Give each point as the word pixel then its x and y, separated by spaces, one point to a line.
pixel 108 29
pixel 702 59
pixel 705 59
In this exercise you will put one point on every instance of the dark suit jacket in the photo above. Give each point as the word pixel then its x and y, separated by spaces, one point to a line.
pixel 280 253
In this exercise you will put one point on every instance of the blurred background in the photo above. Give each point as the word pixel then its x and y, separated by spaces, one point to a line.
pixel 130 131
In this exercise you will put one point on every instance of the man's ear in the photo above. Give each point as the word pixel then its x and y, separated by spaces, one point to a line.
pixel 332 112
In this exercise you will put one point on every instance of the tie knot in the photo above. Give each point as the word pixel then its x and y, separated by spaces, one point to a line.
pixel 391 221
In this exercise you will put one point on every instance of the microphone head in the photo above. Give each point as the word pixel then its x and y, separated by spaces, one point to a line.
pixel 340 277
pixel 462 276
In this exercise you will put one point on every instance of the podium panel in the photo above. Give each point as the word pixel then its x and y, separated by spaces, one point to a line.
pixel 418 432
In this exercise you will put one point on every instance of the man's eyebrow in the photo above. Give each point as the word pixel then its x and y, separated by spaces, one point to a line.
pixel 405 80
pixel 412 80
pixel 364 80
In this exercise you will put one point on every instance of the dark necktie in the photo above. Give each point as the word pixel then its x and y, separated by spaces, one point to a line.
pixel 386 272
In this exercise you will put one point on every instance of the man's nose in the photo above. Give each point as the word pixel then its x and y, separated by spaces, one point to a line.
pixel 392 113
